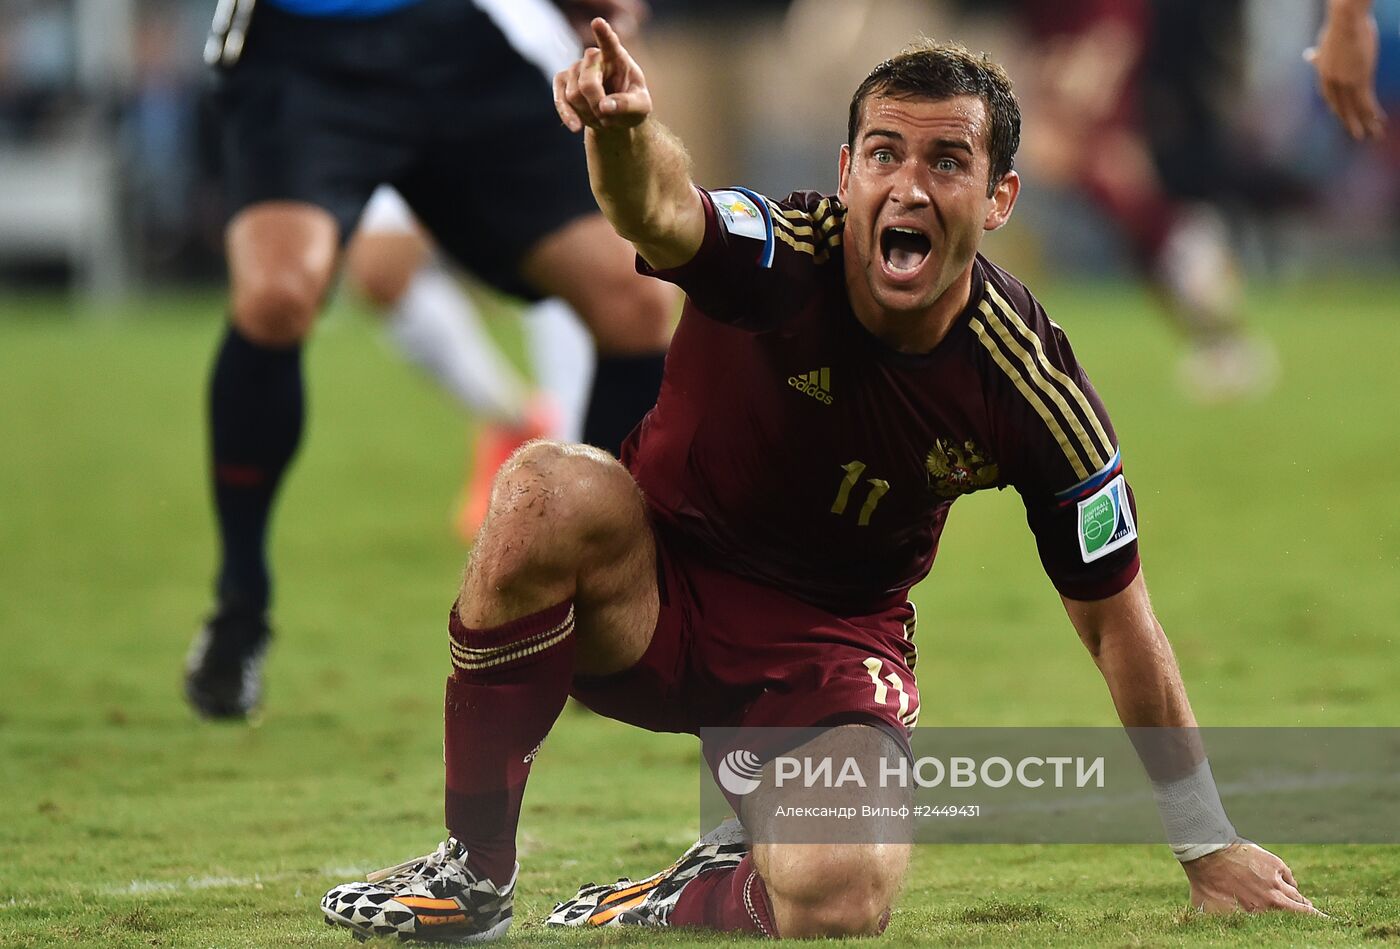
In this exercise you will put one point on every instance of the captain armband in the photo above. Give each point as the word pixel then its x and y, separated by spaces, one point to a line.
pixel 1192 814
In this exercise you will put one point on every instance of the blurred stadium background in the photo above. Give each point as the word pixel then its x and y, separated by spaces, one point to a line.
pixel 109 171
pixel 1270 530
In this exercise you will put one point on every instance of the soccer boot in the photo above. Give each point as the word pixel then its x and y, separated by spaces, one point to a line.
pixel 434 898
pixel 1230 369
pixel 649 902
pixel 223 672
pixel 494 445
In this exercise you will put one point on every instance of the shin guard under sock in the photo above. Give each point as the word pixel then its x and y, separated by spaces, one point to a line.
pixel 507 687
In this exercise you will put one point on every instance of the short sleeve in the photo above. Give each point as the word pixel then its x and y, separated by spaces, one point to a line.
pixel 1067 464
pixel 1087 538
pixel 749 271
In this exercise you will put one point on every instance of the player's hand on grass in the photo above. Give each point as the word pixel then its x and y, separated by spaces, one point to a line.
pixel 1244 876
pixel 1345 60
pixel 605 89
pixel 626 17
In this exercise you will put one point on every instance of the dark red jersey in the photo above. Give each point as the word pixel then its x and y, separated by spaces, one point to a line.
pixel 793 448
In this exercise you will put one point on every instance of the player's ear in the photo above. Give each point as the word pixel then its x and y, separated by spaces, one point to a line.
pixel 1003 201
pixel 843 168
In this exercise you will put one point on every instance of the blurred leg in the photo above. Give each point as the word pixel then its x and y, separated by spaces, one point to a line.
pixel 562 358
pixel 589 266
pixel 1089 134
pixel 281 256
pixel 428 315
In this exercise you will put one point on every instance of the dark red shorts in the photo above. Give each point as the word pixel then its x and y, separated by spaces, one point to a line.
pixel 728 652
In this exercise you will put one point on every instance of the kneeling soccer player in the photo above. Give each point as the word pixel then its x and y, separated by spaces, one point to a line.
pixel 846 368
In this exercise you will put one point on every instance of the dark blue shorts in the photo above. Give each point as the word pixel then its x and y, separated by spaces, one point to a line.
pixel 431 99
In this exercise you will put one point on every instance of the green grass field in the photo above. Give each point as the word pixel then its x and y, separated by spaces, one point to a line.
pixel 1271 541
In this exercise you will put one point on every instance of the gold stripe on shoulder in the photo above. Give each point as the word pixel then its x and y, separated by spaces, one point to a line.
pixel 790 214
pixel 1016 320
pixel 798 230
pixel 805 246
pixel 819 255
pixel 1033 371
pixel 785 220
pixel 1018 379
pixel 829 215
pixel 817 213
pixel 816 237
pixel 825 216
pixel 793 214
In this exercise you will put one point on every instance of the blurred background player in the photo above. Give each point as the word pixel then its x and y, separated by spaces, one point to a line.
pixel 1345 59
pixel 1098 79
pixel 320 102
pixel 432 320
pixel 1095 70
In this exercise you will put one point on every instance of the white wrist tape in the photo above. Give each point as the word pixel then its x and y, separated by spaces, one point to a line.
pixel 1192 814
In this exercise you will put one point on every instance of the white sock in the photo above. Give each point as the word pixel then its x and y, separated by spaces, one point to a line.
pixel 437 327
pixel 561 352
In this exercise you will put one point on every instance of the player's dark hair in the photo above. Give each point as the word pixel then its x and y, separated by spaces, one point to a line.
pixel 929 70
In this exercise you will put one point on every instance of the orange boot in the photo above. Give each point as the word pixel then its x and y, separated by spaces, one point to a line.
pixel 495 443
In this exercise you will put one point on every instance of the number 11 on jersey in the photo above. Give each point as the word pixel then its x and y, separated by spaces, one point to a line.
pixel 878 488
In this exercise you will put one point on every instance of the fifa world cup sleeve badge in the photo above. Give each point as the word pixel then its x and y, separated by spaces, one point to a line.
pixel 1105 521
pixel 744 213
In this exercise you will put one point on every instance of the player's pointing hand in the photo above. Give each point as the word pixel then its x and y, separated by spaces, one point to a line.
pixel 626 16
pixel 605 89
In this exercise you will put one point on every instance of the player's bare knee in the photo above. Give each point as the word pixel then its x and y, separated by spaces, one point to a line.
pixel 553 506
pixel 832 890
pixel 572 488
pixel 380 266
pixel 281 256
pixel 277 308
pixel 844 915
pixel 381 287
pixel 855 909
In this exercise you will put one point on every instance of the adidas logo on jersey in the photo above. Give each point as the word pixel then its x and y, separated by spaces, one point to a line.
pixel 816 383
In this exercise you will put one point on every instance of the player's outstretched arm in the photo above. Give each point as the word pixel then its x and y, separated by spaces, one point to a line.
pixel 639 171
pixel 1131 650
pixel 1345 60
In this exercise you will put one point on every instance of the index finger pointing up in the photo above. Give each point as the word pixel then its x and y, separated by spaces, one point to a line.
pixel 608 40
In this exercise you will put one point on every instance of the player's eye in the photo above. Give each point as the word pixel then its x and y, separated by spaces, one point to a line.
pixel 883 156
pixel 947 165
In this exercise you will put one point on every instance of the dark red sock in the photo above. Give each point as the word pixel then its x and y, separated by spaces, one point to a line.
pixel 732 901
pixel 507 687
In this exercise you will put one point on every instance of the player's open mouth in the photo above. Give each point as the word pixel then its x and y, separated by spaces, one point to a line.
pixel 904 249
